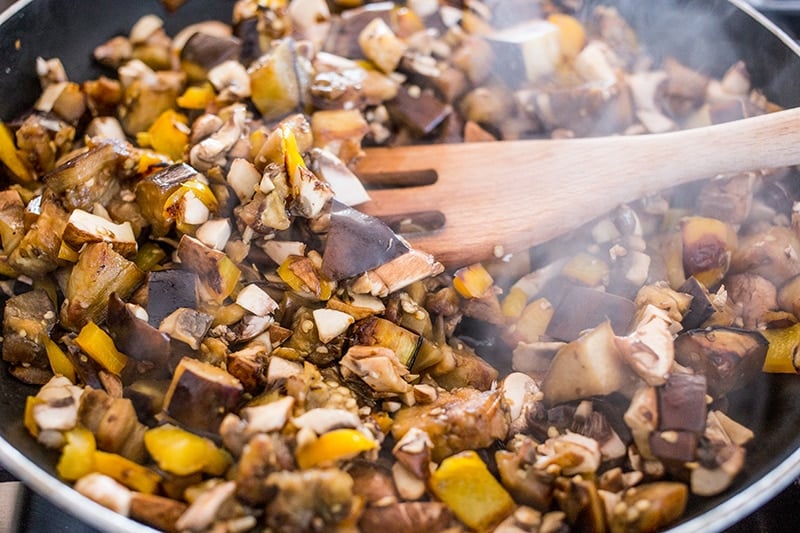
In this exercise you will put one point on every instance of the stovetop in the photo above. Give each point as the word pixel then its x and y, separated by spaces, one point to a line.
pixel 22 510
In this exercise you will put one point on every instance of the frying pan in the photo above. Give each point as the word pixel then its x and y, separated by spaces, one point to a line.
pixel 706 34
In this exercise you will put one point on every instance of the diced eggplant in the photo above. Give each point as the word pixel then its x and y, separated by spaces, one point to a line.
pixel 157 511
pixel 663 503
pixel 187 325
pixel 707 247
pixel 357 243
pixel 274 81
pixel 216 273
pixel 406 517
pixel 153 191
pixel 591 365
pixel 168 290
pixel 90 177
pixel 421 113
pixel 98 272
pixel 470 370
pixel 728 357
pixel 201 394
pixel 701 307
pixel 464 419
pixel 133 336
pixel 682 403
pixel 339 131
pixel 375 331
pixel 529 50
pixel 204 51
pixel 581 308
pixel 27 322
pixel 147 397
pixel 114 424
pixel 12 224
pixel 37 252
pixel 146 95
pixel 675 446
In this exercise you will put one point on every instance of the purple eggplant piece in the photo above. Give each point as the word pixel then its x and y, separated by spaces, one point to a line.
pixel 168 290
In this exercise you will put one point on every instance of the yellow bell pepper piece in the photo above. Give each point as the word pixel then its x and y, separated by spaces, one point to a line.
pixel 514 303
pixel 10 157
pixel 571 34
pixel 333 446
pixel 98 345
pixel 465 485
pixel 77 456
pixel 28 421
pixel 472 281
pixel 180 452
pixel 783 355
pixel 197 97
pixel 291 153
pixel 59 362
pixel 168 135
pixel 131 474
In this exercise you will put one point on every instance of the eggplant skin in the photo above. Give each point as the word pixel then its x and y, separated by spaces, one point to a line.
pixel 27 322
pixel 728 357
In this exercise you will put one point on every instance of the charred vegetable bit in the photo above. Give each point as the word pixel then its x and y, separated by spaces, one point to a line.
pixel 225 343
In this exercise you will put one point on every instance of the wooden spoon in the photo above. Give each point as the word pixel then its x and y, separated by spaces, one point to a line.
pixel 501 197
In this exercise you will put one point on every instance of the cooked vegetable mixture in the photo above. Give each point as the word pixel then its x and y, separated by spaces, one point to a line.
pixel 223 342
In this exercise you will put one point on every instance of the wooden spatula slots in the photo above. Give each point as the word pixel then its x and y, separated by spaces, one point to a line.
pixel 502 197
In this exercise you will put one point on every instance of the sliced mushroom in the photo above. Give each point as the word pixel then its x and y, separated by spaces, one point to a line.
pixel 648 349
pixel 105 491
pixel 406 517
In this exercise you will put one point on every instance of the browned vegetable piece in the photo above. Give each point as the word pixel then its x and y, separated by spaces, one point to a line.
pixel 421 114
pixel 579 499
pixel 12 224
pixel 375 331
pixel 204 51
pixel 591 365
pixel 133 336
pixel 357 243
pixel 676 446
pixel 27 322
pixel 187 325
pixel 707 247
pixel 84 227
pixel 682 403
pixel 201 394
pixel 89 177
pixel 664 503
pixel 319 496
pixel 728 357
pixel 529 50
pixel 153 191
pixel 37 253
pixel 168 290
pixel 582 308
pixel 529 485
pixel 771 253
pixel 340 131
pixel 275 82
pixel 156 511
pixel 114 424
pixel 701 307
pixel 406 517
pixel 216 273
pixel 463 419
pixel 99 272
pixel 147 96
pixel 262 455
pixel 470 370
pixel 44 140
